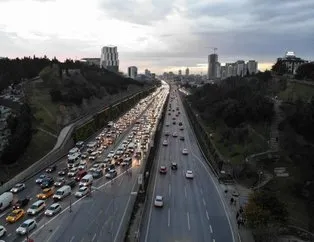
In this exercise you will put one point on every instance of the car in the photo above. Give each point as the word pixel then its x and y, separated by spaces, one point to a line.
pixel 36 207
pixel 175 134
pixel 163 170
pixel 174 166
pixel 51 169
pixel 20 203
pixel 63 171
pixel 181 128
pixel 111 154
pixel 182 138
pixel 107 160
pixel 53 209
pixel 159 201
pixel 72 172
pixel 71 183
pixel 47 182
pixel 60 182
pixel 15 215
pixel 40 179
pixel 167 133
pixel 47 192
pixel 111 174
pixel 92 157
pixel 167 124
pixel 81 192
pixel 97 174
pixel 174 122
pixel 185 151
pixel 3 231
pixel 180 123
pixel 189 174
pixel 18 187
pixel 27 226
pixel 165 143
pixel 82 167
pixel 84 155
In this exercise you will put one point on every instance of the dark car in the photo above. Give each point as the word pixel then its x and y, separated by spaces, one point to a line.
pixel 71 183
pixel 63 172
pixel 174 122
pixel 20 203
pixel 47 182
pixel 182 138
pixel 174 166
pixel 97 174
pixel 51 169
pixel 180 124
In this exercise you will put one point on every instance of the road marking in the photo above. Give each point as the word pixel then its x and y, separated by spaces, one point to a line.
pixel 9 235
pixel 94 237
pixel 201 190
pixel 204 202
pixel 52 234
pixel 210 228
pixel 126 208
pixel 207 216
pixel 169 190
pixel 168 217
pixel 151 206
pixel 214 240
pixel 188 217
pixel 72 238
pixel 185 192
pixel 2 215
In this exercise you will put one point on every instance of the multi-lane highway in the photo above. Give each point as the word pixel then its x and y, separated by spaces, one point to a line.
pixel 95 218
pixel 193 210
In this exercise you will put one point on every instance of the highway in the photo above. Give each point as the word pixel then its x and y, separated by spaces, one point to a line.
pixel 91 217
pixel 193 210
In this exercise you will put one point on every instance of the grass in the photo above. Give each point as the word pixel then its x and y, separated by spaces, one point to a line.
pixel 295 91
pixel 39 146
pixel 237 153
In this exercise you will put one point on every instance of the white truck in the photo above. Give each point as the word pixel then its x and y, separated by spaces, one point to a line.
pixel 6 199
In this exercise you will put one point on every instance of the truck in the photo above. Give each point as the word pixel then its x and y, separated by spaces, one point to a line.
pixel 6 199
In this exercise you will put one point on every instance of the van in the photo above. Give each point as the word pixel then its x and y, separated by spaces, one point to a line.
pixel 6 199
pixel 62 193
pixel 87 180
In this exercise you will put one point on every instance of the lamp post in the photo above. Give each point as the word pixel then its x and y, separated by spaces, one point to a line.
pixel 70 209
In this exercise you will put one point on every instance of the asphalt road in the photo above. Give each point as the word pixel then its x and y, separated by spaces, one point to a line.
pixel 97 204
pixel 193 210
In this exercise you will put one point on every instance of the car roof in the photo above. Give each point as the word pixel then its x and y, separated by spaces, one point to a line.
pixel 28 221
pixel 158 197
pixel 189 171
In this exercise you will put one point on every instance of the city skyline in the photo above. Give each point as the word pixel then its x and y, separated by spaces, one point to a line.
pixel 166 36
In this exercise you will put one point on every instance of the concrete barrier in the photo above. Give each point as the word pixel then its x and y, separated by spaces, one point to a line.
pixel 59 151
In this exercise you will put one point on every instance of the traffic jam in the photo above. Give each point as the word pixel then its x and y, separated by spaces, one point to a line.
pixel 120 146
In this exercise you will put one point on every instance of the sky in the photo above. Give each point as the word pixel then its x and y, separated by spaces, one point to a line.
pixel 160 35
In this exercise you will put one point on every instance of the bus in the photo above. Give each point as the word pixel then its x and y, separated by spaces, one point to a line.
pixel 74 160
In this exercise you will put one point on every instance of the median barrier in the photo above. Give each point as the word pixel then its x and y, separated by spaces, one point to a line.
pixel 57 152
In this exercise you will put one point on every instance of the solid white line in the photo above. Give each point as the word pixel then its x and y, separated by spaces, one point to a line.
pixel 126 208
pixel 52 234
pixel 185 192
pixel 168 217
pixel 210 228
pixel 188 217
pixel 94 237
pixel 214 240
pixel 204 202
pixel 207 216
pixel 73 237
pixel 9 235
pixel 169 190
pixel 151 206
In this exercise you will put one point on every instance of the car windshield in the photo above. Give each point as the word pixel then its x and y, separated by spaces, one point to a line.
pixel 34 206
pixel 24 225
pixel 82 189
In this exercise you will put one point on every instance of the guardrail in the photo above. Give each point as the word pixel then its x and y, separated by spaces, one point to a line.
pixel 58 152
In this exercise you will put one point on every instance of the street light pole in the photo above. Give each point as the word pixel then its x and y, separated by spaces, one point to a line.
pixel 70 209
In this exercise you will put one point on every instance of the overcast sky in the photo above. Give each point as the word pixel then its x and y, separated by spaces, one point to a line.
pixel 159 35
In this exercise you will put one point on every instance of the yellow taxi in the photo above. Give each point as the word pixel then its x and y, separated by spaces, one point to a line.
pixel 47 192
pixel 15 215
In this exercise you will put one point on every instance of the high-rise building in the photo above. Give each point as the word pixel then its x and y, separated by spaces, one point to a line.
pixel 179 72
pixel 218 66
pixel 109 58
pixel 252 67
pixel 240 68
pixel 291 62
pixel 212 67
pixel 223 72
pixel 132 72
pixel 187 71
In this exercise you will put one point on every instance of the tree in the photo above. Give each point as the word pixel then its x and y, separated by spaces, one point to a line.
pixel 279 67
pixel 305 71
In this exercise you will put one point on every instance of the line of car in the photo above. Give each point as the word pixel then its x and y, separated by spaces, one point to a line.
pixel 123 156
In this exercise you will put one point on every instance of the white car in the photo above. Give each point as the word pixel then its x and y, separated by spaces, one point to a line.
pixel 83 162
pixel 189 174
pixel 53 209
pixel 95 153
pixel 27 226
pixel 165 143
pixel 82 167
pixel 92 157
pixel 72 172
pixel 111 154
pixel 175 134
pixel 81 192
pixel 185 151
pixel 159 201
pixel 2 231
pixel 167 124
pixel 36 207
pixel 17 188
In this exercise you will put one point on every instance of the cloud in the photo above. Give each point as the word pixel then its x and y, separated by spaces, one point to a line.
pixel 159 34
